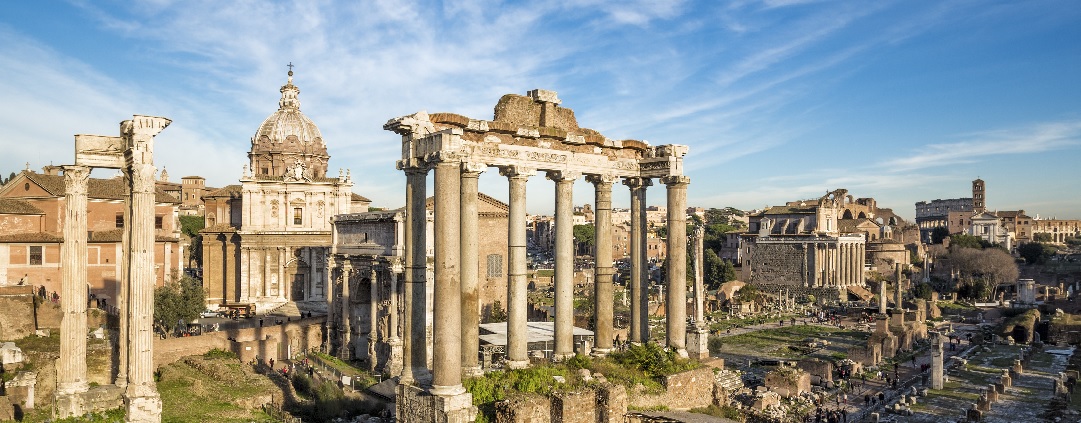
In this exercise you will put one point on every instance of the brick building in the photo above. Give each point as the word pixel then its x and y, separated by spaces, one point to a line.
pixel 32 212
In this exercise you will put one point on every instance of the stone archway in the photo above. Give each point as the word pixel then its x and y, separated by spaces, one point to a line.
pixel 847 215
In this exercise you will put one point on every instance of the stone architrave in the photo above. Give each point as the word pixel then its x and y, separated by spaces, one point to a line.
pixel 676 294
pixel 603 291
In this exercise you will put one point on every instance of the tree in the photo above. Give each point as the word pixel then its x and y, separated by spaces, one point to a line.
pixel 182 298
pixel 981 271
pixel 1042 237
pixel 190 227
pixel 1035 252
pixel 717 271
pixel 585 237
pixel 939 234
pixel 967 241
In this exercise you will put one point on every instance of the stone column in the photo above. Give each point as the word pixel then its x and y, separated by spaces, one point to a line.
pixel 936 361
pixel 447 362
pixel 564 267
pixel 882 297
pixel 346 325
pixel 415 233
pixel 603 291
pixel 639 289
pixel 676 320
pixel 516 274
pixel 141 397
pixel 71 366
pixel 395 363
pixel 897 290
pixel 373 317
pixel 470 270
pixel 698 336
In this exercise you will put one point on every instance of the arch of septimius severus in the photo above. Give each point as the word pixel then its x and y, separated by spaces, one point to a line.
pixel 529 134
pixel 133 153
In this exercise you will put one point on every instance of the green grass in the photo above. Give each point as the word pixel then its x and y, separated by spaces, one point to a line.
pixel 784 341
pixel 208 389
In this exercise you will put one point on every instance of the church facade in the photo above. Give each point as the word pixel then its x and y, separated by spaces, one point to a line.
pixel 266 238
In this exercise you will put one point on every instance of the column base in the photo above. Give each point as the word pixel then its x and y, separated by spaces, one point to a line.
pixel 72 388
pixel 697 343
pixel 447 391
pixel 69 405
pixel 143 409
pixel 415 405
pixel 683 353
pixel 516 364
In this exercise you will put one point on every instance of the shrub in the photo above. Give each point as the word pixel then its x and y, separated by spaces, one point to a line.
pixel 714 344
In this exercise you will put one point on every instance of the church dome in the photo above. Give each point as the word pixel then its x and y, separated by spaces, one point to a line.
pixel 287 138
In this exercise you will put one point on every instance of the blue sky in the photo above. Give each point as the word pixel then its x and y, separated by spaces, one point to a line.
pixel 778 99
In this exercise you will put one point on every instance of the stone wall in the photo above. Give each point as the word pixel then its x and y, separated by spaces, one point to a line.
pixel 788 382
pixel 782 264
pixel 820 371
pixel 574 407
pixel 16 305
pixel 275 341
pixel 683 391
pixel 606 404
pixel 524 409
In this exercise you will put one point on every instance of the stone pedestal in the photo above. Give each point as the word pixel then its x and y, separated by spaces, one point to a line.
pixel 1017 368
pixel 144 408
pixel 415 405
pixel 936 361
pixel 697 343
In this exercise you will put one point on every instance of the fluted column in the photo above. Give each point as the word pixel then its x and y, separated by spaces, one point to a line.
pixel 676 320
pixel 603 294
pixel 639 277
pixel 516 264
pixel 698 252
pixel 143 401
pixel 470 270
pixel 415 233
pixel 564 267
pixel 346 324
pixel 447 362
pixel 71 367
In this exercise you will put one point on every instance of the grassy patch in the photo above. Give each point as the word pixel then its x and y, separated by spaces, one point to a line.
pixel 726 411
pixel 211 389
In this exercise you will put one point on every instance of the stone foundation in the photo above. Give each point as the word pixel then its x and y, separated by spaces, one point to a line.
pixel 683 391
pixel 96 400
pixel 697 343
pixel 145 408
pixel 415 405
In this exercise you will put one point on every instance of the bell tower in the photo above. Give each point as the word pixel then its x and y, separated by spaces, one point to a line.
pixel 978 199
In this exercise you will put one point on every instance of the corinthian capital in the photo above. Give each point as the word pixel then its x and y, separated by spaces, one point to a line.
pixel 515 171
pixel 599 180
pixel 75 178
pixel 563 175
pixel 676 180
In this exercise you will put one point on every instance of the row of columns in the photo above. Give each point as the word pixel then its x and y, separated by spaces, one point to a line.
pixel 456 301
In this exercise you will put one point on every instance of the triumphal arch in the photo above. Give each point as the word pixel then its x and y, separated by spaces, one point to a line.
pixel 529 134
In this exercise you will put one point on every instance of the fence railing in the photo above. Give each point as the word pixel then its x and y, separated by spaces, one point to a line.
pixel 275 412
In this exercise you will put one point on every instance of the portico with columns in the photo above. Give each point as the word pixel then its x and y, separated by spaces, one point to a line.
pixel 529 134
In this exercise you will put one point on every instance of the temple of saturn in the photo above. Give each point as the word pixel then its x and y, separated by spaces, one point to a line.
pixel 528 134
pixel 133 153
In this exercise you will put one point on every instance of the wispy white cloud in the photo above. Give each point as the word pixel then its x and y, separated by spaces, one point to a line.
pixel 1036 138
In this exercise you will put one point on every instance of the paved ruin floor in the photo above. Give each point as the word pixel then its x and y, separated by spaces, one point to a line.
pixel 1025 401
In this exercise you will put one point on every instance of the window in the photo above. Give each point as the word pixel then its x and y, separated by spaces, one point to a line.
pixel 159 222
pixel 120 220
pixel 495 265
pixel 35 255
pixel 298 216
